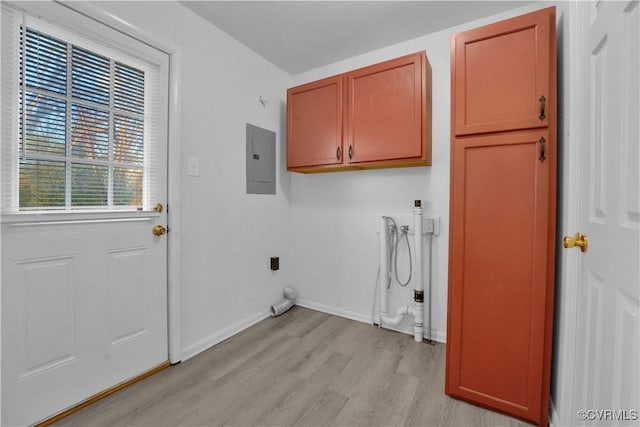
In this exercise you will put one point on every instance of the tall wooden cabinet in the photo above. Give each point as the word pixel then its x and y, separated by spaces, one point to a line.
pixel 502 215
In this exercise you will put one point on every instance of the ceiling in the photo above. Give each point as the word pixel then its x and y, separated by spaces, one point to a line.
pixel 298 36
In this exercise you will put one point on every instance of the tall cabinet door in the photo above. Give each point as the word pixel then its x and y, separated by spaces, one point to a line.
pixel 502 216
pixel 501 75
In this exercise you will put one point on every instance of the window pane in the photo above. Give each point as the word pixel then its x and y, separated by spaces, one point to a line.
pixel 81 124
pixel 129 89
pixel 89 133
pixel 46 62
pixel 127 187
pixel 42 184
pixel 89 185
pixel 45 124
pixel 90 76
pixel 128 140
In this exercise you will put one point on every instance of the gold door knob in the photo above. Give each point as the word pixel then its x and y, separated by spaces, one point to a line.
pixel 159 230
pixel 159 208
pixel 579 240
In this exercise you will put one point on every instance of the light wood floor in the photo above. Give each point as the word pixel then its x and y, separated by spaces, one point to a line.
pixel 304 368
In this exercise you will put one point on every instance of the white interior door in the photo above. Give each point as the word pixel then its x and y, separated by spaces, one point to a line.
pixel 607 375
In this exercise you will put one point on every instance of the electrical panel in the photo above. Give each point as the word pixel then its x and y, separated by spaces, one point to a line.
pixel 261 160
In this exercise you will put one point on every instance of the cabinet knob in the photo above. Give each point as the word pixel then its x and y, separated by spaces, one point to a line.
pixel 338 153
pixel 350 151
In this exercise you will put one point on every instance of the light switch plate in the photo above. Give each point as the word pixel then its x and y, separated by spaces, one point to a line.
pixel 193 166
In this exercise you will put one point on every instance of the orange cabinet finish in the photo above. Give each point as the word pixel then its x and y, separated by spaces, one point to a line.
pixel 386 117
pixel 501 237
pixel 501 73
pixel 314 123
pixel 374 117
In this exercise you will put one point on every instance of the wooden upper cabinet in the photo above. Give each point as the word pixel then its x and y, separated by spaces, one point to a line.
pixel 386 117
pixel 314 123
pixel 502 74
pixel 374 117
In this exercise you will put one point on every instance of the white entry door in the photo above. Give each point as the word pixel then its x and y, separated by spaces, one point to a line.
pixel 84 285
pixel 607 368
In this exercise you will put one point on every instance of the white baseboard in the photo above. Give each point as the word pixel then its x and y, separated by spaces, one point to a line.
pixel 333 310
pixel 439 336
pixel 553 414
pixel 228 332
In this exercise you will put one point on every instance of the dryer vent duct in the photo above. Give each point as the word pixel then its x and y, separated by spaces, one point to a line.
pixel 285 303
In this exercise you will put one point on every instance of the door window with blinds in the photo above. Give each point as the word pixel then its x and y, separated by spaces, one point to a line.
pixel 85 123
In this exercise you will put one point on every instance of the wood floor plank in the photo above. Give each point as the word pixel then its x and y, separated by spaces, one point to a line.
pixel 325 410
pixel 304 368
pixel 294 406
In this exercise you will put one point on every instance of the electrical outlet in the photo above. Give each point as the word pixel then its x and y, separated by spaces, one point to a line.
pixel 428 225
pixel 432 225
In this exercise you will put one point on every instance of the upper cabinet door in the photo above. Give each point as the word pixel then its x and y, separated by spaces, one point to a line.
pixel 314 123
pixel 501 75
pixel 386 117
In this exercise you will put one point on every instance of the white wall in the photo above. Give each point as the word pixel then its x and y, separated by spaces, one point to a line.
pixel 333 216
pixel 226 236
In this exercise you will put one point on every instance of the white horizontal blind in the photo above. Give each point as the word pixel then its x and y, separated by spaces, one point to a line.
pixel 9 107
pixel 86 125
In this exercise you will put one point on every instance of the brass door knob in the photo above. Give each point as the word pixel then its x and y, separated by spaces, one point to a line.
pixel 159 230
pixel 159 208
pixel 579 240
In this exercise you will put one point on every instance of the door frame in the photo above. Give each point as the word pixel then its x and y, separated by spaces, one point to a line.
pixel 174 158
pixel 568 262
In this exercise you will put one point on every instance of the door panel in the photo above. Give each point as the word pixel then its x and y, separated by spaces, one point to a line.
pixel 126 296
pixel 314 123
pixel 501 72
pixel 498 272
pixel 607 372
pixel 47 292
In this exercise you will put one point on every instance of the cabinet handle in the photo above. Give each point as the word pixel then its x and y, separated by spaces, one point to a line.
pixel 350 152
pixel 338 153
pixel 543 107
pixel 542 143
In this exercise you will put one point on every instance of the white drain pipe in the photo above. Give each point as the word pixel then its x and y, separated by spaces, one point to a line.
pixel 417 310
pixel 384 271
pixel 418 294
